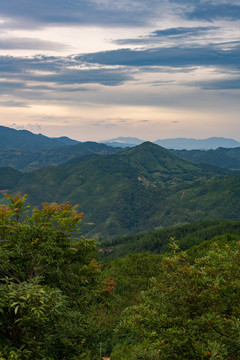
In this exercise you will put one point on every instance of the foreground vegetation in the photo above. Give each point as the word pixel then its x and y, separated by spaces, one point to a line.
pixel 190 311
pixel 58 302
pixel 48 282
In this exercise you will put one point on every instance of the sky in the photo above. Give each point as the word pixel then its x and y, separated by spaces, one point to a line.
pixel 100 69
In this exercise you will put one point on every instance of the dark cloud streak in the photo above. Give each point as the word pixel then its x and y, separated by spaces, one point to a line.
pixel 210 12
pixel 221 84
pixel 168 56
pixel 114 13
pixel 182 31
pixel 171 33
pixel 26 77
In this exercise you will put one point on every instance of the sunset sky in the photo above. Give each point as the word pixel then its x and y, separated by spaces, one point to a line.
pixel 99 69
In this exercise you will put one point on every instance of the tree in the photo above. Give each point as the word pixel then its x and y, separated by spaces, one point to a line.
pixel 48 279
pixel 191 310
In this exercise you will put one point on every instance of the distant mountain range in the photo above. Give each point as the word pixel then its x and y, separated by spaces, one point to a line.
pixel 178 143
pixel 138 189
pixel 26 151
pixel 12 139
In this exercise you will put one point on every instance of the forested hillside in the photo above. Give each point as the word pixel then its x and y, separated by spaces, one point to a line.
pixel 139 189
pixel 226 158
pixel 30 160
pixel 134 190
pixel 178 305
pixel 190 309
pixel 157 241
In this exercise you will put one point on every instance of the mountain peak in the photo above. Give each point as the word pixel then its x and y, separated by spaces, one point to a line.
pixel 148 146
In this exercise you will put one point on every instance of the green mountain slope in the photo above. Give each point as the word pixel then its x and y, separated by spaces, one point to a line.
pixel 8 178
pixel 226 158
pixel 30 160
pixel 136 190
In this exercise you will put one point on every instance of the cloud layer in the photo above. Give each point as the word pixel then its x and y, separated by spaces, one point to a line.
pixel 91 12
pixel 29 14
pixel 213 54
pixel 164 55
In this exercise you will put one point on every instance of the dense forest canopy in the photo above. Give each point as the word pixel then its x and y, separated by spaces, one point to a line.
pixel 57 301
pixel 49 279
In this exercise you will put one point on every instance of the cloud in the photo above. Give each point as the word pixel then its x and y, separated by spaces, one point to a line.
pixel 170 33
pixel 29 44
pixel 31 127
pixel 34 127
pixel 41 73
pixel 74 12
pixel 182 31
pixel 208 11
pixel 12 103
pixel 59 79
pixel 103 76
pixel 175 56
pixel 221 84
pixel 115 13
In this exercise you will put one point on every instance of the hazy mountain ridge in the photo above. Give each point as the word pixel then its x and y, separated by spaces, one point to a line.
pixel 25 140
pixel 178 143
pixel 191 144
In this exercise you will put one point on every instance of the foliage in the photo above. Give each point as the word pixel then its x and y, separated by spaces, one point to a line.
pixel 49 279
pixel 191 311
pixel 157 241
pixel 130 275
